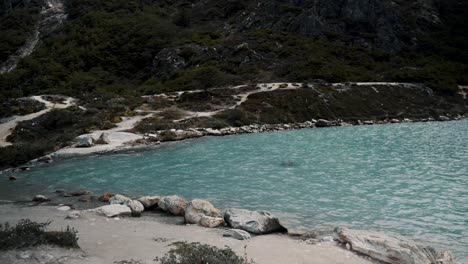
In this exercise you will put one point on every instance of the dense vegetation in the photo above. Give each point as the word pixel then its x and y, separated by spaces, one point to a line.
pixel 15 28
pixel 27 233
pixel 108 47
pixel 109 53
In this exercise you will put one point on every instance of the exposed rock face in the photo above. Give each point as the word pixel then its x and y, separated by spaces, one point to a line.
pixel 237 234
pixel 197 209
pixel 113 210
pixel 256 222
pixel 119 199
pixel 391 248
pixel 384 19
pixel 173 204
pixel 167 63
pixel 149 202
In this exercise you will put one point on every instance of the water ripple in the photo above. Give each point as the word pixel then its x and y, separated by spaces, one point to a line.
pixel 407 178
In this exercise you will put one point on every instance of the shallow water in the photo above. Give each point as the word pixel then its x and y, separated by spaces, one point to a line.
pixel 411 179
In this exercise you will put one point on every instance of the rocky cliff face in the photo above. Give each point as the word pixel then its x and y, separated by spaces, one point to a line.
pixel 387 25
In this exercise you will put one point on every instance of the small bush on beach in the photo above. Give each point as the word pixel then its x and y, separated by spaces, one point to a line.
pixel 196 253
pixel 27 233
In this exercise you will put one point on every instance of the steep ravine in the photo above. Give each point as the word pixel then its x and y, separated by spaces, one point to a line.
pixel 52 15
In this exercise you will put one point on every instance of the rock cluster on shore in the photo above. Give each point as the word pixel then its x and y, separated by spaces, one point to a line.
pixel 181 134
pixel 241 224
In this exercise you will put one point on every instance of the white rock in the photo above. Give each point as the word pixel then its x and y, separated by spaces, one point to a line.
pixel 136 207
pixel 197 208
pixel 119 199
pixel 103 139
pixel 73 215
pixel 237 234
pixel 211 222
pixel 85 141
pixel 113 210
pixel 64 208
pixel 391 249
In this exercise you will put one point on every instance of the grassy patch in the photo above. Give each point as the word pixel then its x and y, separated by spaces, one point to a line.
pixel 185 253
pixel 30 234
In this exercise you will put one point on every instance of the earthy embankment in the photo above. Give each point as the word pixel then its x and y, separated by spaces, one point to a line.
pixel 106 240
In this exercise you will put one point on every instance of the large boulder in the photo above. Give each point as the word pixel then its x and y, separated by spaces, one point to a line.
pixel 149 202
pixel 197 208
pixel 85 141
pixel 119 199
pixel 103 139
pixel 113 210
pixel 256 222
pixel 173 204
pixel 391 249
pixel 136 207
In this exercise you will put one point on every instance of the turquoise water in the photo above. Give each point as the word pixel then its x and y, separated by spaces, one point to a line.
pixel 410 179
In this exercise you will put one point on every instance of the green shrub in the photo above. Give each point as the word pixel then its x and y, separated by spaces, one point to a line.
pixel 27 233
pixel 196 253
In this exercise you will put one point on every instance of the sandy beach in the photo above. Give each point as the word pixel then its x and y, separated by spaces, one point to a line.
pixel 106 240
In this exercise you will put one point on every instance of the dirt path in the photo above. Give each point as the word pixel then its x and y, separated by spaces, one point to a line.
pixel 7 128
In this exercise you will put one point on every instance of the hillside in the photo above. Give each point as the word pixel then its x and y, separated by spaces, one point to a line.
pixel 108 54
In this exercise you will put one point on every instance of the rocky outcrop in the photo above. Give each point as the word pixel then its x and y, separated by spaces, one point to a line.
pixel 197 208
pixel 391 249
pixel 256 222
pixel 113 210
pixel 237 234
pixel 167 63
pixel 149 202
pixel 173 204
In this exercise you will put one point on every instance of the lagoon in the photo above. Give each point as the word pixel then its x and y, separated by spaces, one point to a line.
pixel 410 179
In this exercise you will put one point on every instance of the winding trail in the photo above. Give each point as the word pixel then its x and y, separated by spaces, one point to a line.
pixel 120 137
pixel 7 128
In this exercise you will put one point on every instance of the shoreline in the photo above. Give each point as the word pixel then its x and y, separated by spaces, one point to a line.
pixel 148 142
pixel 107 240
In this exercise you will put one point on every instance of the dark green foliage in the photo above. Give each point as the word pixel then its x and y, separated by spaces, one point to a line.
pixel 30 234
pixel 15 29
pixel 20 107
pixel 49 132
pixel 109 46
pixel 196 253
